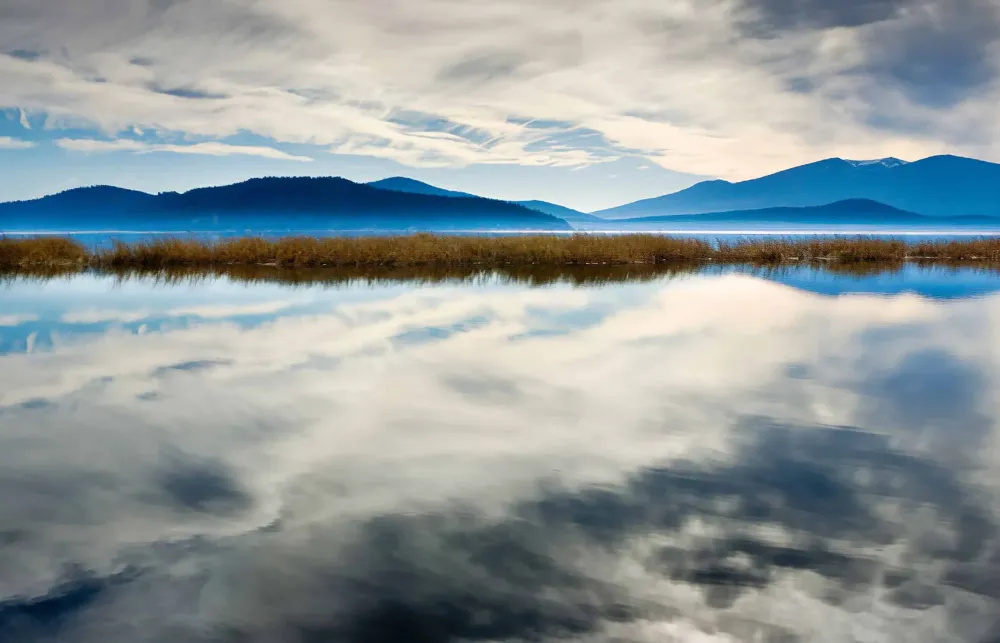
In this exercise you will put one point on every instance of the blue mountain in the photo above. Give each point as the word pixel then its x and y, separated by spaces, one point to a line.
pixel 296 203
pixel 858 212
pixel 412 186
pixel 937 186
pixel 561 211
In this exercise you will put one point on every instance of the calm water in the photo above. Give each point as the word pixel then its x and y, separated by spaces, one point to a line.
pixel 726 456
pixel 104 238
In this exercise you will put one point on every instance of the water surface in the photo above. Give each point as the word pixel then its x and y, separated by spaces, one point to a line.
pixel 723 455
pixel 94 239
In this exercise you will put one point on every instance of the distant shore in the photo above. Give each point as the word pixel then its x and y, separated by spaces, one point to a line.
pixel 479 252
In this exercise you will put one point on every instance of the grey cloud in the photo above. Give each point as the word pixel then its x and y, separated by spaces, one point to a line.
pixel 38 403
pixel 930 393
pixel 483 67
pixel 800 85
pixel 486 388
pixel 206 487
pixel 193 366
pixel 48 617
pixel 929 389
pixel 25 54
pixel 766 17
pixel 940 53
pixel 141 61
pixel 187 92
pixel 937 52
pixel 162 6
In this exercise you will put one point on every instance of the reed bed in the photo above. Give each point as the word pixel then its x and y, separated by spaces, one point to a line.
pixel 55 253
pixel 541 275
pixel 425 251
pixel 406 251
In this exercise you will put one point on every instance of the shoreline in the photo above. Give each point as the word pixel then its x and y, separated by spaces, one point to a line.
pixel 374 232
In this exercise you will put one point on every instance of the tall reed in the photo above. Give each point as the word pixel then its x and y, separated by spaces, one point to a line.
pixel 52 252
pixel 428 250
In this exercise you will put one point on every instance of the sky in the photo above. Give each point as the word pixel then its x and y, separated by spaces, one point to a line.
pixel 587 103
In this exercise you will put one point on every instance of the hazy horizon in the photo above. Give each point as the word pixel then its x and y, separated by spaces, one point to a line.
pixel 457 188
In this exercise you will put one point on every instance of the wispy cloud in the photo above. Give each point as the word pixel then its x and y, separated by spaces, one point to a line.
pixel 731 88
pixel 8 143
pixel 207 311
pixel 205 149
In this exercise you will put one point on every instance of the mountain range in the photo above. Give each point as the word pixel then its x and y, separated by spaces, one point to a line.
pixel 850 212
pixel 412 186
pixel 943 186
pixel 937 192
pixel 297 203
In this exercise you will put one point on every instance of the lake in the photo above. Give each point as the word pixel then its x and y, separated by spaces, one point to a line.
pixel 911 234
pixel 719 455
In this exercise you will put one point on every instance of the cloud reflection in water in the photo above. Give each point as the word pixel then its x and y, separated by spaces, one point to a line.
pixel 715 458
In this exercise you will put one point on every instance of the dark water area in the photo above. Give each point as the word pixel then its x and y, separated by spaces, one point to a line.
pixel 710 455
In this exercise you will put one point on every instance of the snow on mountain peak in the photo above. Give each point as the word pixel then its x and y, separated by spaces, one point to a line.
pixel 889 162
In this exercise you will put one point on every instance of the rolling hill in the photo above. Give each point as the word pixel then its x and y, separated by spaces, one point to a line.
pixel 937 186
pixel 301 203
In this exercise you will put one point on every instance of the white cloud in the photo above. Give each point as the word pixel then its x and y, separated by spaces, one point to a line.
pixel 206 148
pixel 8 143
pixel 17 320
pixel 681 82
pixel 204 311
pixel 25 123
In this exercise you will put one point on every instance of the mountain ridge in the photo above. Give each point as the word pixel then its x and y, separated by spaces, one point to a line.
pixel 943 185
pixel 413 186
pixel 276 201
pixel 941 190
pixel 848 211
pixel 406 184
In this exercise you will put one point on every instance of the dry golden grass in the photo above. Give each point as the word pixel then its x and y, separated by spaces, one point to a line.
pixel 980 249
pixel 839 249
pixel 474 253
pixel 538 275
pixel 35 252
pixel 402 251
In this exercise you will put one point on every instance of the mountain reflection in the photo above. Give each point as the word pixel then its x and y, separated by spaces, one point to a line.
pixel 711 457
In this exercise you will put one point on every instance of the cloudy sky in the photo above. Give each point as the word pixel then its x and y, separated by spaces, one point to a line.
pixel 590 103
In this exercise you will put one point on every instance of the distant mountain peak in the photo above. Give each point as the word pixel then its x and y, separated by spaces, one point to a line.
pixel 866 205
pixel 399 180
pixel 935 186
pixel 405 184
pixel 94 189
pixel 413 186
pixel 889 162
